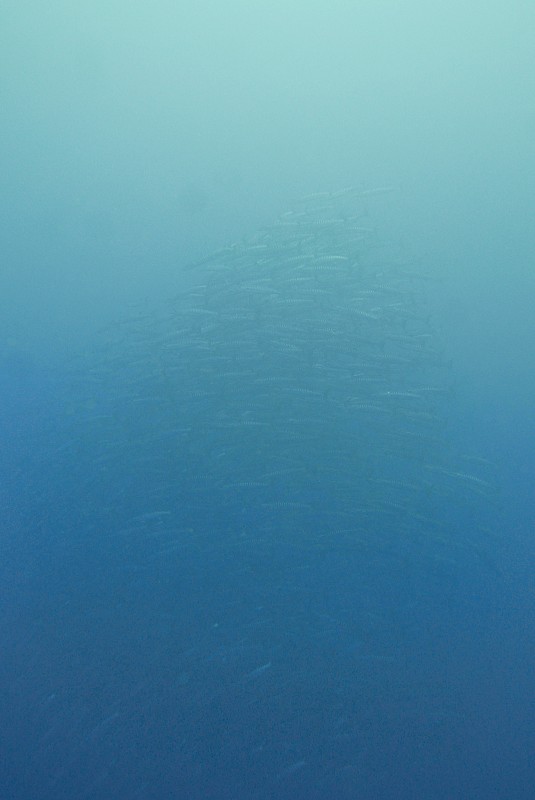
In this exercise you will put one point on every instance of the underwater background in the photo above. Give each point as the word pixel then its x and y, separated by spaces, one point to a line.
pixel 267 400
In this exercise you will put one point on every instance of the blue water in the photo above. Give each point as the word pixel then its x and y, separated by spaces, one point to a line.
pixel 267 521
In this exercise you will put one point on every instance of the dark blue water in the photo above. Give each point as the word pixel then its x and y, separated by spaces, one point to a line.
pixel 271 669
